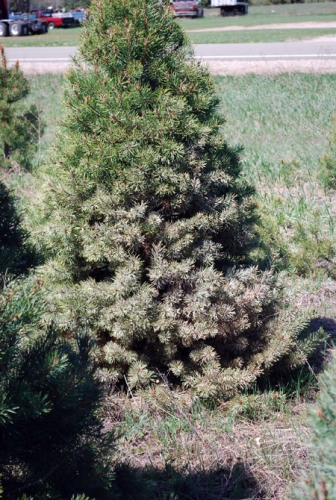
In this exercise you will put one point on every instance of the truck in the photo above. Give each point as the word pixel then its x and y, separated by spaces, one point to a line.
pixel 13 27
pixel 186 8
pixel 52 20
pixel 230 7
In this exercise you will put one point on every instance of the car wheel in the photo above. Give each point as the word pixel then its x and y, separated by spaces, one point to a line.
pixel 15 29
pixel 3 29
pixel 51 25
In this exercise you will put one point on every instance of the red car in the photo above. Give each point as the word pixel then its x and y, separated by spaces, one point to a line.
pixel 186 8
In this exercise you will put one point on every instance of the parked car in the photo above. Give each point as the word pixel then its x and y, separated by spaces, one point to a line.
pixel 57 20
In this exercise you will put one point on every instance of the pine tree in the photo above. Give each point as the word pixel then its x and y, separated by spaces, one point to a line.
pixel 16 255
pixel 51 444
pixel 319 482
pixel 18 131
pixel 146 220
pixel 51 441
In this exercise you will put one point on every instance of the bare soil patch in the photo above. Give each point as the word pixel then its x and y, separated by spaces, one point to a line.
pixel 222 68
pixel 279 26
pixel 219 68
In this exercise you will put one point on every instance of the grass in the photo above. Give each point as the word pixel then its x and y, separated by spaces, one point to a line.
pixel 255 446
pixel 258 15
pixel 199 452
pixel 284 123
pixel 55 38
pixel 259 36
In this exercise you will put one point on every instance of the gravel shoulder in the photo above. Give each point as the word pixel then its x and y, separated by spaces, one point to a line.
pixel 220 68
pixel 280 26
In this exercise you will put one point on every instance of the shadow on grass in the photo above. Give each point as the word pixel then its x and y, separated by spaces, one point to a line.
pixel 328 325
pixel 236 482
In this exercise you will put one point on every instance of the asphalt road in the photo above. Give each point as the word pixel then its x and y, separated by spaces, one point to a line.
pixel 243 51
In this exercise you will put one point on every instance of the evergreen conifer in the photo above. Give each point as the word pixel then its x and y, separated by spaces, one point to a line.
pixel 18 131
pixel 146 220
pixel 16 256
pixel 51 441
pixel 320 480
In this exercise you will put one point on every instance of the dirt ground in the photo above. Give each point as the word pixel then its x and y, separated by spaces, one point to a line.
pixel 218 67
pixel 222 68
pixel 284 26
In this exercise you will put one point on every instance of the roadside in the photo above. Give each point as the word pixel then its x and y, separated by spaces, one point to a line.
pixel 277 26
pixel 216 67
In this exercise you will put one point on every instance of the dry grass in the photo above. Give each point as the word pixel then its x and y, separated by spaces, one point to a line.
pixel 214 453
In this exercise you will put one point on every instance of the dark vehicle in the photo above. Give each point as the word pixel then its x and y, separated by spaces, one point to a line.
pixel 36 26
pixel 11 27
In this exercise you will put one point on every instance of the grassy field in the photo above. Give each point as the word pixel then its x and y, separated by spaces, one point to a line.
pixel 54 38
pixel 325 12
pixel 259 15
pixel 254 447
pixel 258 36
pixel 70 37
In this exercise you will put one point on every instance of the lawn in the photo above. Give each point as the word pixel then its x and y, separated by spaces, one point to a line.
pixel 255 446
pixel 258 36
pixel 258 15
pixel 54 38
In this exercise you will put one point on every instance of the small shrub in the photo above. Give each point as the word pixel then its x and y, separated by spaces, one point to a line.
pixel 328 174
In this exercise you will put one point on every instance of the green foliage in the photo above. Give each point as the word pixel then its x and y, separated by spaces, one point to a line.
pixel 146 221
pixel 319 482
pixel 329 164
pixel 300 232
pixel 20 128
pixel 50 441
pixel 15 254
pixel 257 406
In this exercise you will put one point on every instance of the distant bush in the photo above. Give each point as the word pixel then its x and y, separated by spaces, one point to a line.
pixel 20 128
pixel 328 163
pixel 319 481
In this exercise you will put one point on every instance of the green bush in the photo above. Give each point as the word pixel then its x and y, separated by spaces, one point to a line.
pixel 51 441
pixel 20 128
pixel 328 171
pixel 146 221
pixel 50 435
pixel 319 482
pixel 16 255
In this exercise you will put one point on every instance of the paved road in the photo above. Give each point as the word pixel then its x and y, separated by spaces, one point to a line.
pixel 247 51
